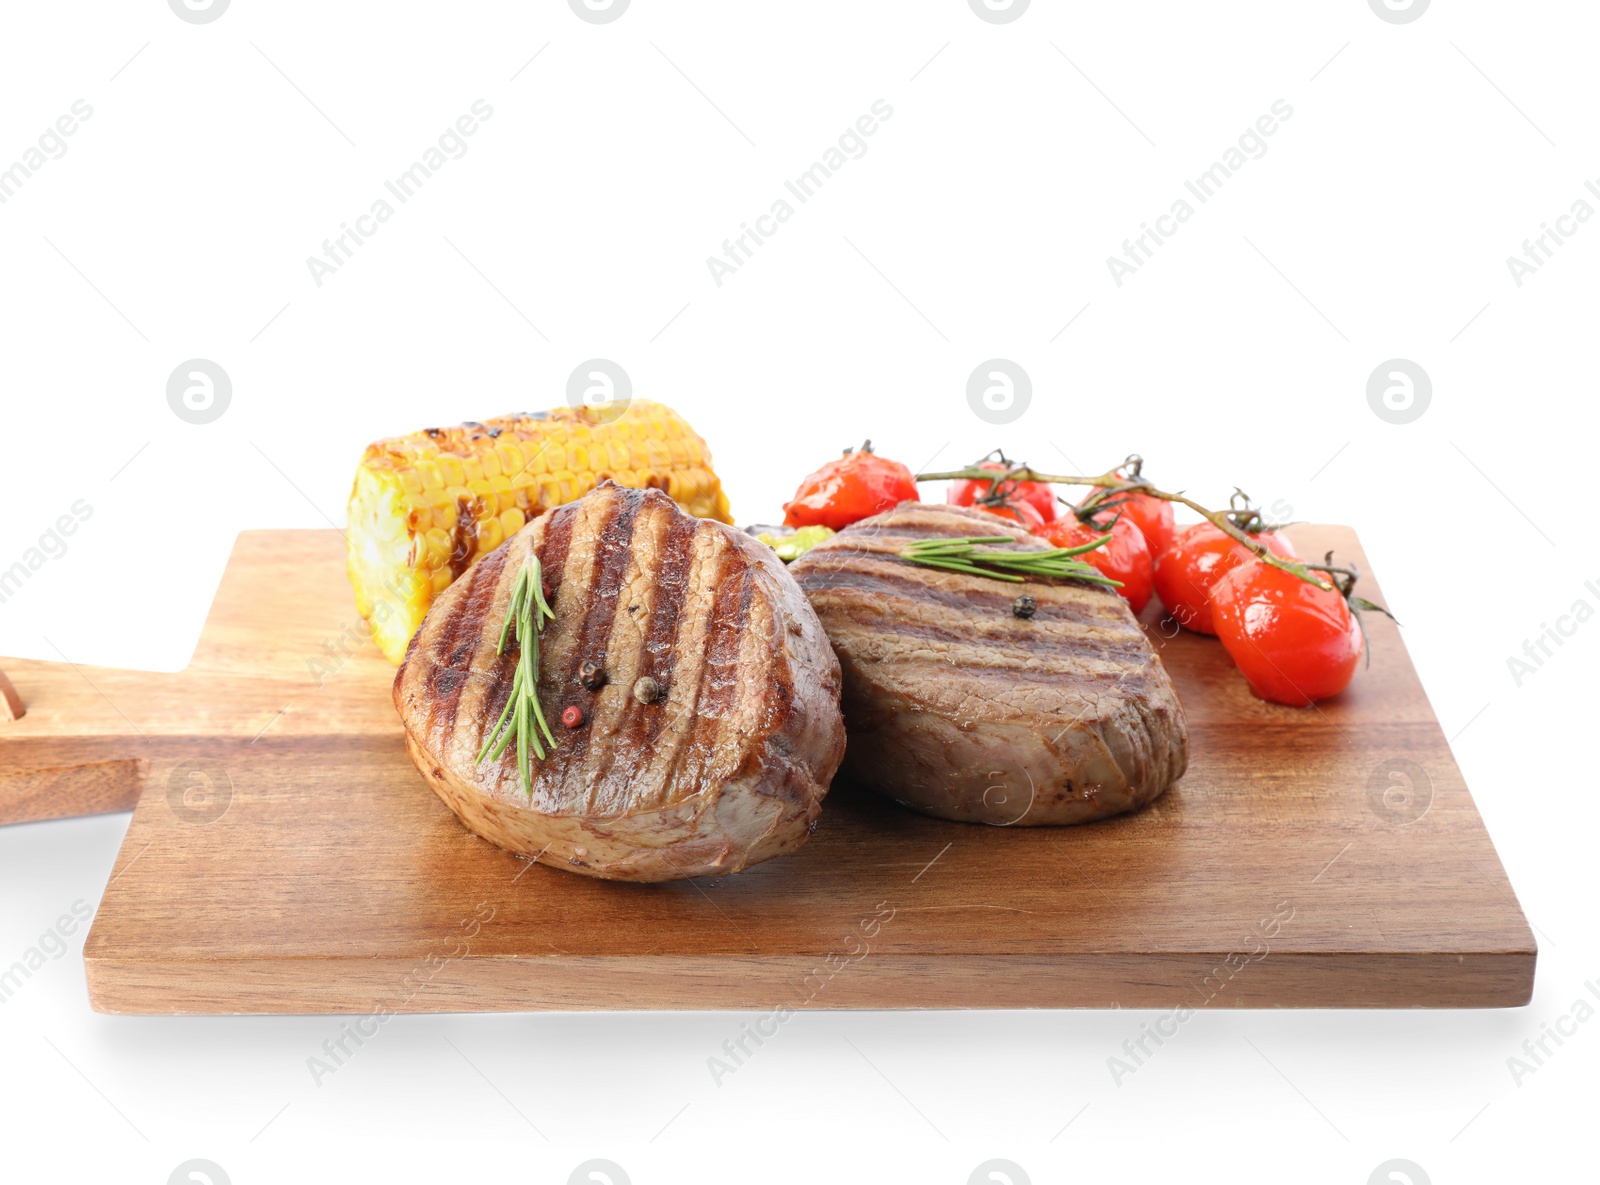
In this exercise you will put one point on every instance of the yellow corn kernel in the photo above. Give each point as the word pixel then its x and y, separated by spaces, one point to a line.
pixel 407 538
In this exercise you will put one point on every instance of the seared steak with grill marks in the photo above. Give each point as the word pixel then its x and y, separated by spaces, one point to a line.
pixel 959 708
pixel 721 762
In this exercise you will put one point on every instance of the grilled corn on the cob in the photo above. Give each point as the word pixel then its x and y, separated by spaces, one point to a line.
pixel 425 507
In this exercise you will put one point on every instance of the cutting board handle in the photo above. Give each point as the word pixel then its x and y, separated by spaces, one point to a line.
pixel 10 702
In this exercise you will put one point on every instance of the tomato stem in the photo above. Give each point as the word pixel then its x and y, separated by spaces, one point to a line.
pixel 1240 521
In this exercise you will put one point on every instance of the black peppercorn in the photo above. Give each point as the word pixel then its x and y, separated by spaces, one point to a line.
pixel 1024 607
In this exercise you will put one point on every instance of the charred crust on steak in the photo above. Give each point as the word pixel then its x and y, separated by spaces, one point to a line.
pixel 723 763
pixel 943 681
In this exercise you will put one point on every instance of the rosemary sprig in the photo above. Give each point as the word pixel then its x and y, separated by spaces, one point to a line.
pixel 1237 522
pixel 966 555
pixel 526 614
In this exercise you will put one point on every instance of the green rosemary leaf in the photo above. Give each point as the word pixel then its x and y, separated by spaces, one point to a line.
pixel 970 569
pixel 965 555
pixel 522 720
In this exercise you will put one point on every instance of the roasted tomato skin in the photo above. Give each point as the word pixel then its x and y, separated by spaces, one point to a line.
pixel 1038 494
pixel 1198 557
pixel 1153 517
pixel 1019 512
pixel 857 486
pixel 1125 558
pixel 1293 642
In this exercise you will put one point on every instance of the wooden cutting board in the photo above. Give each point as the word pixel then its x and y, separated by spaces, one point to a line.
pixel 1322 858
pixel 283 653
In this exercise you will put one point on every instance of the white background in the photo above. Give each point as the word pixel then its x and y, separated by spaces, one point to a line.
pixel 1019 156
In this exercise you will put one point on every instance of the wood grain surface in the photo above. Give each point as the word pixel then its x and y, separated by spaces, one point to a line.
pixel 283 652
pixel 294 861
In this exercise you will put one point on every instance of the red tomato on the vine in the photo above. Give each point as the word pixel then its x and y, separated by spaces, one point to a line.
pixel 1038 494
pixel 1153 517
pixel 1200 556
pixel 1294 643
pixel 1126 557
pixel 857 486
pixel 1017 512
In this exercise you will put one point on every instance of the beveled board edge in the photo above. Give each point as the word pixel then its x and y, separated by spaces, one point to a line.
pixel 1281 979
pixel 72 790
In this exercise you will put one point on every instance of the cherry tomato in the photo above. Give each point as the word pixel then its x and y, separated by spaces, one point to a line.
pixel 1018 512
pixel 1153 517
pixel 857 486
pixel 1294 643
pixel 1125 558
pixel 1198 557
pixel 1037 494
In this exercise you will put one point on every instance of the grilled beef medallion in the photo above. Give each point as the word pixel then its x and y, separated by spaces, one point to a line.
pixel 984 700
pixel 707 722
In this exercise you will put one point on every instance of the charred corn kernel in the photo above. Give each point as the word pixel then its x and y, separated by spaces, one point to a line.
pixel 425 507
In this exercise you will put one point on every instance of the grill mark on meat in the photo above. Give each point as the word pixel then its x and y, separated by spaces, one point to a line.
pixel 457 638
pixel 941 683
pixel 493 673
pixel 671 593
pixel 1000 648
pixel 499 671
pixel 878 586
pixel 873 594
pixel 661 766
pixel 553 549
pixel 612 555
pixel 764 633
pixel 557 644
pixel 658 657
pixel 750 712
pixel 550 543
pixel 935 521
pixel 613 712
pixel 719 675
